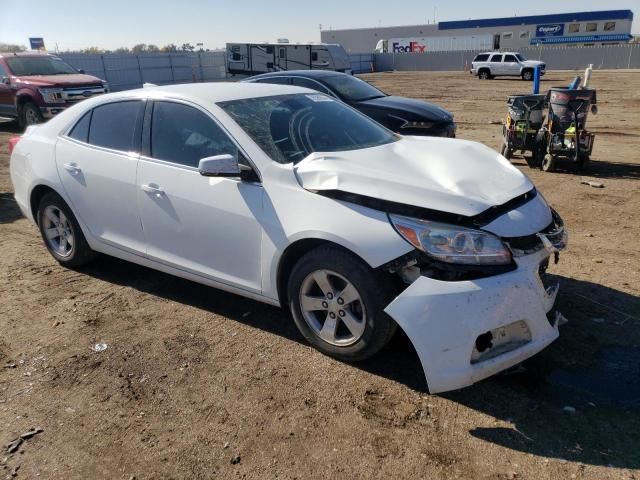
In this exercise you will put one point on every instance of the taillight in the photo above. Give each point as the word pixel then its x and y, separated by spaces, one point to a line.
pixel 13 141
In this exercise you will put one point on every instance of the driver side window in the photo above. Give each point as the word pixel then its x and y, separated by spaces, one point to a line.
pixel 184 135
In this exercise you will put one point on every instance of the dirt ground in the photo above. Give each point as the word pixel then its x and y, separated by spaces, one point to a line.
pixel 196 383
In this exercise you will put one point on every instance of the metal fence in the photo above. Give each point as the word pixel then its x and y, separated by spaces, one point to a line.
pixel 556 58
pixel 361 62
pixel 126 71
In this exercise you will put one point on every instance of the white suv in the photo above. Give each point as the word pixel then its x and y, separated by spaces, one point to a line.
pixel 493 64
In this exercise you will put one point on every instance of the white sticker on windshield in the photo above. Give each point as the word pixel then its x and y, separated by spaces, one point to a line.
pixel 319 98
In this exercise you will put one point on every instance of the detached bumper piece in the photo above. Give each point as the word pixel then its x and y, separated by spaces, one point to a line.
pixel 466 331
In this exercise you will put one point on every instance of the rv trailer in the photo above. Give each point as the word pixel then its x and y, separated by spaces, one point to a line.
pixel 255 58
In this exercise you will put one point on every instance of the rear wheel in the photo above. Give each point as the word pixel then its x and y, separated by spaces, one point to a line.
pixel 527 75
pixel 61 233
pixel 29 115
pixel 337 303
pixel 548 163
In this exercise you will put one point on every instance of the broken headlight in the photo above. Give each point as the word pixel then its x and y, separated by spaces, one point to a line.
pixel 452 244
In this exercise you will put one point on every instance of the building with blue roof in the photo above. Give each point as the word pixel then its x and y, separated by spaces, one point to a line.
pixel 603 27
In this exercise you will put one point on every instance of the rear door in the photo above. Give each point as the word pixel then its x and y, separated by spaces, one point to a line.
pixel 97 162
pixel 205 225
pixel 495 64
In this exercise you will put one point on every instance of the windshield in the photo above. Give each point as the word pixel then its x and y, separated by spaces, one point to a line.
pixel 520 57
pixel 352 88
pixel 290 127
pixel 21 66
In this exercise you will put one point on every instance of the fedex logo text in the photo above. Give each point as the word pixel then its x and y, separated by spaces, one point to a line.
pixel 413 47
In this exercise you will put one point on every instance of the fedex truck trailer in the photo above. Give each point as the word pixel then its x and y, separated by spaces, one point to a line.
pixel 254 58
pixel 435 44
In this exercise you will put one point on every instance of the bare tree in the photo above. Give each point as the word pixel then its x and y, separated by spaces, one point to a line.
pixel 10 47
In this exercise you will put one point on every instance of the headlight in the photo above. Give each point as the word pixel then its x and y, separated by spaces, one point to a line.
pixel 51 95
pixel 452 244
pixel 404 123
pixel 106 86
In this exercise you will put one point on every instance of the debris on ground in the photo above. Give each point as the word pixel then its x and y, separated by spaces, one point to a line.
pixel 13 446
pixel 597 320
pixel 569 409
pixel 235 460
pixel 31 433
pixel 99 347
pixel 10 365
pixel 593 184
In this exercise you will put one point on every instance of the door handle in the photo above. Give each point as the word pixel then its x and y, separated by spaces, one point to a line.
pixel 153 189
pixel 72 168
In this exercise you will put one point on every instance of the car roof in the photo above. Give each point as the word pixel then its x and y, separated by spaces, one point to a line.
pixel 215 91
pixel 300 73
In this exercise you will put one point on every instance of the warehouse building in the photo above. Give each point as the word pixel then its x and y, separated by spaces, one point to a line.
pixel 511 33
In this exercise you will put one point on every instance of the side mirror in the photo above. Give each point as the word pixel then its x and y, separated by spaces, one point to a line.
pixel 81 70
pixel 219 166
pixel 594 109
pixel 6 80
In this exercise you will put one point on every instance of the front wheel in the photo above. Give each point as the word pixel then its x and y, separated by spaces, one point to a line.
pixel 527 75
pixel 61 233
pixel 337 302
pixel 484 75
pixel 29 115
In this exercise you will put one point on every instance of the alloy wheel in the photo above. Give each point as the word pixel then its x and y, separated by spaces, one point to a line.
pixel 58 232
pixel 332 307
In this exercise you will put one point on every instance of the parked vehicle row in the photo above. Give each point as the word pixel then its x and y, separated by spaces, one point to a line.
pixel 292 197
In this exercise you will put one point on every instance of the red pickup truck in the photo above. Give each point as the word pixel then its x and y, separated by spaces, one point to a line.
pixel 37 86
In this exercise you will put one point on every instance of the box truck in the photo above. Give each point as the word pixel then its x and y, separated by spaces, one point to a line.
pixel 435 44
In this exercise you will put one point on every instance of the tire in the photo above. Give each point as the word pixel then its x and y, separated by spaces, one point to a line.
pixel 548 163
pixel 484 75
pixel 61 233
pixel 321 321
pixel 29 115
pixel 527 75
pixel 506 152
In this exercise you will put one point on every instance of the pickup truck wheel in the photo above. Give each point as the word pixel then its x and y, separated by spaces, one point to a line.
pixel 61 233
pixel 527 75
pixel 29 115
pixel 337 302
pixel 484 75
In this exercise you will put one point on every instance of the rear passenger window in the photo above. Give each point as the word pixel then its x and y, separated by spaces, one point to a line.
pixel 80 131
pixel 115 126
pixel 306 83
pixel 481 58
pixel 185 135
pixel 496 58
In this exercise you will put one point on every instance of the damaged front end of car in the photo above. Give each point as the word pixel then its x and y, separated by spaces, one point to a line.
pixel 474 315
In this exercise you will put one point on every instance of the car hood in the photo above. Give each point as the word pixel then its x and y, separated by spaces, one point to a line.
pixel 69 80
pixel 453 176
pixel 426 110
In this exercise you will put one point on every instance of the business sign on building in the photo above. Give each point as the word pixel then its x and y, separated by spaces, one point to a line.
pixel 550 30
pixel 37 43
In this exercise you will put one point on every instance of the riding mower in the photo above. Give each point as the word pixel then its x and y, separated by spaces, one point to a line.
pixel 520 129
pixel 564 134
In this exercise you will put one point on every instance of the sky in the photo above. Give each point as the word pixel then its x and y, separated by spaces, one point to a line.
pixel 108 24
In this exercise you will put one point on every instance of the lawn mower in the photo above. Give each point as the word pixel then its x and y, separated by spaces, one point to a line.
pixel 564 134
pixel 520 129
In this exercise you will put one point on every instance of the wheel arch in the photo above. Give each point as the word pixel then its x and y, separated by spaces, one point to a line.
pixel 36 195
pixel 293 253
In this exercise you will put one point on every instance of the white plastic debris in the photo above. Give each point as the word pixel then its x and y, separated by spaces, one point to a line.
pixel 569 409
pixel 593 184
pixel 99 347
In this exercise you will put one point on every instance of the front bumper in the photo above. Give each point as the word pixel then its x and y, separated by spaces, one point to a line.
pixel 444 321
pixel 50 112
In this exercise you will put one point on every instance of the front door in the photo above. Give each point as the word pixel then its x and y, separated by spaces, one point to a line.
pixel 97 165
pixel 7 97
pixel 204 225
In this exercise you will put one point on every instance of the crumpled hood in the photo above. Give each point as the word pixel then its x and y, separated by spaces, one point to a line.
pixel 453 176
pixel 420 108
pixel 67 80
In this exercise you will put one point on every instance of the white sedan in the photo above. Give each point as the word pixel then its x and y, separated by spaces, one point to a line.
pixel 290 197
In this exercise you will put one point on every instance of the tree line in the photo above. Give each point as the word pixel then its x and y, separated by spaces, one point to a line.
pixel 139 48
